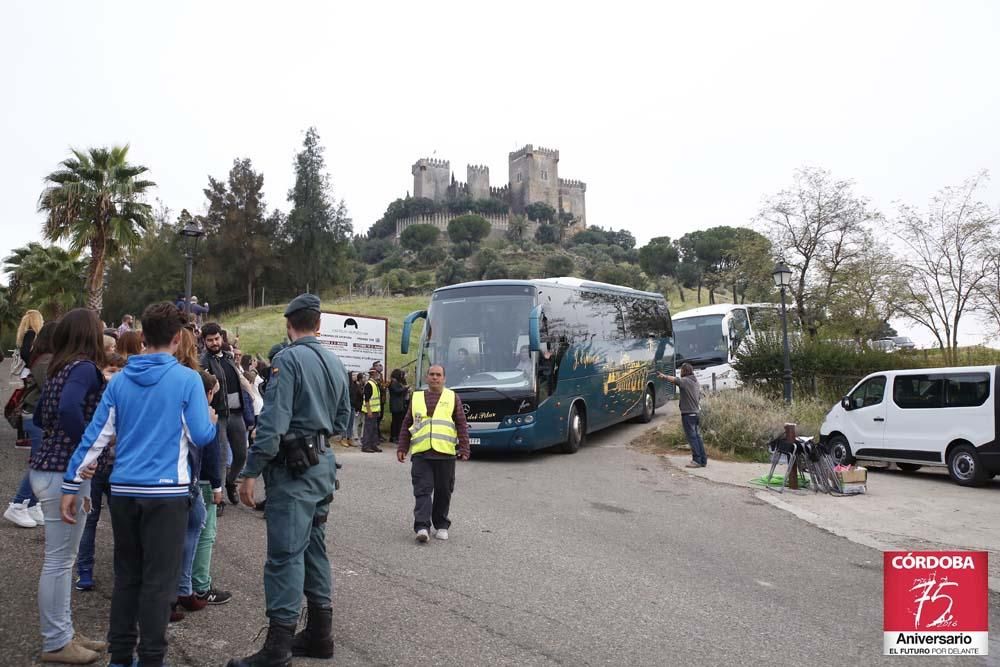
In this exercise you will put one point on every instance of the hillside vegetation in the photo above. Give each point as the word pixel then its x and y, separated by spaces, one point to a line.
pixel 261 328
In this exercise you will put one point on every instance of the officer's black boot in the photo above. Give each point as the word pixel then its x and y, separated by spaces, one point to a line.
pixel 316 641
pixel 277 650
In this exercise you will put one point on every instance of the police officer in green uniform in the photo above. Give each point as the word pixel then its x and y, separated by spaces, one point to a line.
pixel 306 401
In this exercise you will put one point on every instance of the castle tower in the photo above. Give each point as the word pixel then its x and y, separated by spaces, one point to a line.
pixel 534 177
pixel 431 178
pixel 478 181
pixel 572 199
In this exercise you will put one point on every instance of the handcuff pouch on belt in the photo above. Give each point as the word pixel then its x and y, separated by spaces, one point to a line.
pixel 298 453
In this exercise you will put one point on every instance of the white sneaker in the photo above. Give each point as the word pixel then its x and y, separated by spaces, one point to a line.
pixel 441 534
pixel 422 535
pixel 20 514
pixel 37 514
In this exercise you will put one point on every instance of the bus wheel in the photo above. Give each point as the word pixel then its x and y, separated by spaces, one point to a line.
pixel 648 407
pixel 965 467
pixel 576 431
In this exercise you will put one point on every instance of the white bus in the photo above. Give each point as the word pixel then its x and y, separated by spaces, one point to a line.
pixel 709 337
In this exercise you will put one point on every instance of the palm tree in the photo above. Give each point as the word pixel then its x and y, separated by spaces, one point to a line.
pixel 48 278
pixel 95 201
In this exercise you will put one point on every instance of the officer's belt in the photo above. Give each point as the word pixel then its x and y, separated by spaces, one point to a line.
pixel 318 440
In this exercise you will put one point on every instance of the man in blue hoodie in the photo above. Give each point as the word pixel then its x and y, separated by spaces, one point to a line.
pixel 154 408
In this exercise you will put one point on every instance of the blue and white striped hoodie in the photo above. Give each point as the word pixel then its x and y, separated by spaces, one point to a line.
pixel 156 409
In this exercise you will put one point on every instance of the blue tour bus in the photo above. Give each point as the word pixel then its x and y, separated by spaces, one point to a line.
pixel 545 362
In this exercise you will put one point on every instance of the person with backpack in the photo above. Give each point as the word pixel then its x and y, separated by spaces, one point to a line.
pixel 24 510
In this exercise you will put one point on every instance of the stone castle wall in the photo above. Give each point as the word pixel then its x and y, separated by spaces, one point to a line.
pixel 498 224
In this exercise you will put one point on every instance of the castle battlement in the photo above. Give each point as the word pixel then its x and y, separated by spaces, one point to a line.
pixel 570 183
pixel 530 149
pixel 432 162
pixel 478 168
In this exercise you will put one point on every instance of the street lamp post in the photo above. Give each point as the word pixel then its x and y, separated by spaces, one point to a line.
pixel 782 279
pixel 190 233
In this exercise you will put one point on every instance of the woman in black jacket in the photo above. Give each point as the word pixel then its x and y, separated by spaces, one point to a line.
pixel 399 395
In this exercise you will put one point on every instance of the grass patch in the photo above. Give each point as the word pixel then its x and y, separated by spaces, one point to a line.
pixel 260 328
pixel 737 425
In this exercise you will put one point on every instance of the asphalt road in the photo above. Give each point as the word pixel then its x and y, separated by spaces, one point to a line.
pixel 605 557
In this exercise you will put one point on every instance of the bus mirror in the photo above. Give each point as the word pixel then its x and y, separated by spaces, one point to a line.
pixel 845 403
pixel 534 336
pixel 404 342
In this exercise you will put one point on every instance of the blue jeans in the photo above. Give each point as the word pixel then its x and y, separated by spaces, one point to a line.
pixel 24 490
pixel 349 433
pixel 100 486
pixel 693 435
pixel 195 522
pixel 61 542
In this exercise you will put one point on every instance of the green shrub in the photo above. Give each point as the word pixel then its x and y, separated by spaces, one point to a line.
pixel 741 423
pixel 819 368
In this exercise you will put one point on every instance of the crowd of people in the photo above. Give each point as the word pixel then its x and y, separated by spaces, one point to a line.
pixel 170 446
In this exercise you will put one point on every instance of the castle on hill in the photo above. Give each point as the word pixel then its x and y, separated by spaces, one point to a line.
pixel 533 176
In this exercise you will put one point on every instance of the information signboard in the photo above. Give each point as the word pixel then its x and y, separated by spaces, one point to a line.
pixel 359 340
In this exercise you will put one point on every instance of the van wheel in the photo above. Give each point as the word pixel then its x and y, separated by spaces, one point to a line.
pixel 965 467
pixel 840 450
pixel 908 467
pixel 648 407
pixel 576 431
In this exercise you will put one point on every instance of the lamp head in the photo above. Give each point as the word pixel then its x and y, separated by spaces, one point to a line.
pixel 782 275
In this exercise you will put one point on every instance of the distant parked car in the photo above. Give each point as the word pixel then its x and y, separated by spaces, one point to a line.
pixel 883 345
pixel 903 343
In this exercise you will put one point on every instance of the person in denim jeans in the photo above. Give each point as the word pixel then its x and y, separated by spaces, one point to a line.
pixel 69 400
pixel 100 488
pixel 690 406
pixel 24 509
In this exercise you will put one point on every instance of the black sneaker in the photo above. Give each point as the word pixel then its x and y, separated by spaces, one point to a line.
pixel 213 596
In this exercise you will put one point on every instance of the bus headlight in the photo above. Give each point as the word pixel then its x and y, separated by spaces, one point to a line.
pixel 518 420
pixel 529 419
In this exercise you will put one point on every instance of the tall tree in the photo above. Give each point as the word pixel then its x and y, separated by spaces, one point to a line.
pixel 239 230
pixel 317 229
pixel 949 257
pixel 815 226
pixel 96 202
pixel 48 278
pixel 659 259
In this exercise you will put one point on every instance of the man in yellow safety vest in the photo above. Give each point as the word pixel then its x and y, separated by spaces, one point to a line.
pixel 371 408
pixel 434 432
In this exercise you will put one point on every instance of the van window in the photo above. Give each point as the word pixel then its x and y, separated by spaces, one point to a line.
pixel 869 393
pixel 966 390
pixel 918 391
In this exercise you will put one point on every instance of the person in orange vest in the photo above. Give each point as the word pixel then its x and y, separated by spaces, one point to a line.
pixel 434 433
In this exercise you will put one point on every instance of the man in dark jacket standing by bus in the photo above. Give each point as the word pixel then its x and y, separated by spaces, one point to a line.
pixel 433 427
pixel 690 406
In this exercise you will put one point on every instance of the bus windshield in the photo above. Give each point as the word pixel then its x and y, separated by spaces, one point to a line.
pixel 701 341
pixel 480 335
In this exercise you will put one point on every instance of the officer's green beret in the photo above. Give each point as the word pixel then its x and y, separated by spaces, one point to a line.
pixel 303 302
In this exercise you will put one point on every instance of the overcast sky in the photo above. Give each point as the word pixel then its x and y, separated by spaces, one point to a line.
pixel 678 116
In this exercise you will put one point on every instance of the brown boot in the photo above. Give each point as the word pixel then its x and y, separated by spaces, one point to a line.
pixel 92 644
pixel 70 654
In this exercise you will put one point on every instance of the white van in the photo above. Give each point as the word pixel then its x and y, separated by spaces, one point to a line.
pixel 923 417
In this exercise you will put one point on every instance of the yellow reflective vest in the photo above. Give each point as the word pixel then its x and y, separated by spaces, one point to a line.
pixel 435 431
pixel 376 399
